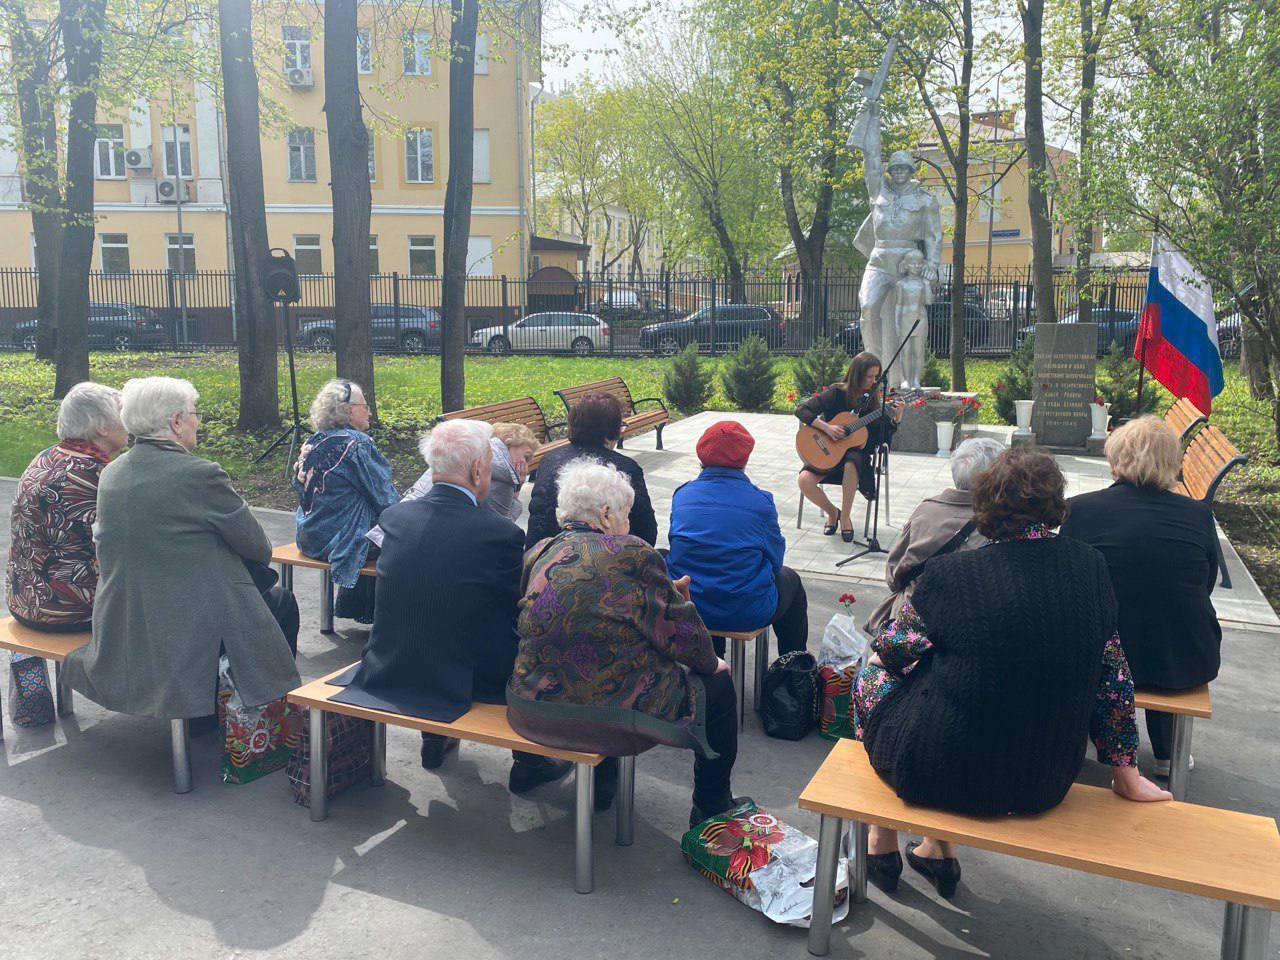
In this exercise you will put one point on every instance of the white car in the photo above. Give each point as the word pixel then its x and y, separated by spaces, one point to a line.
pixel 580 333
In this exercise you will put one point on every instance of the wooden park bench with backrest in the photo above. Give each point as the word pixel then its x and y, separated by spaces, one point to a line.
pixel 524 410
pixel 55 646
pixel 1184 416
pixel 1219 854
pixel 483 723
pixel 633 421
pixel 1208 458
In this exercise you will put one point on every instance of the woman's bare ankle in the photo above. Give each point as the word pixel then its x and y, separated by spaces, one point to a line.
pixel 881 841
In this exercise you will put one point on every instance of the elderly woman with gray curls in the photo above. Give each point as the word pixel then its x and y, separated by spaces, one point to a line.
pixel 179 555
pixel 343 484
pixel 613 656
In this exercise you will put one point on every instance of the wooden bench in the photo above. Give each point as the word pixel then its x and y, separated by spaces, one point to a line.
pixel 483 723
pixel 633 421
pixel 1184 416
pixel 523 410
pixel 55 646
pixel 1220 854
pixel 1208 458
pixel 289 556
pixel 1185 705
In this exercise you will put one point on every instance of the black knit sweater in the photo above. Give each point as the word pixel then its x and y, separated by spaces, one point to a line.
pixel 995 718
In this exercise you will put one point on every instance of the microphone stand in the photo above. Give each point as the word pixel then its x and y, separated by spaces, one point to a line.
pixel 882 384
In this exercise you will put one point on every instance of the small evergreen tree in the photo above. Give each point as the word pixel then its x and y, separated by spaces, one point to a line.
pixel 1117 384
pixel 1015 381
pixel 687 385
pixel 822 364
pixel 935 375
pixel 749 377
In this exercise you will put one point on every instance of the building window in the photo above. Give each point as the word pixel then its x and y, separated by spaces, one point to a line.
pixel 306 253
pixel 175 152
pixel 480 256
pixel 297 48
pixel 482 53
pixel 364 50
pixel 373 254
pixel 181 250
pixel 109 151
pixel 422 257
pixel 113 249
pixel 373 157
pixel 302 154
pixel 417 53
pixel 480 157
pixel 990 202
pixel 419 164
pixel 537 262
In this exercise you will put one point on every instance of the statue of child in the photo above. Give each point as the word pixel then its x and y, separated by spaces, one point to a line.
pixel 915 293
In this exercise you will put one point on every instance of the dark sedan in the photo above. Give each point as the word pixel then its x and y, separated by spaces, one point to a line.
pixel 1116 327
pixel 417 332
pixel 726 325
pixel 114 326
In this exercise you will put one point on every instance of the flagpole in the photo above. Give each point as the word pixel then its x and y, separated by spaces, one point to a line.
pixel 1144 331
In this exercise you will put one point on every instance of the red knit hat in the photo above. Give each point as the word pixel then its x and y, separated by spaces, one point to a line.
pixel 725 444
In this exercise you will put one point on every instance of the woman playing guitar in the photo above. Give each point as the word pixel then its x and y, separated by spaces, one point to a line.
pixel 857 393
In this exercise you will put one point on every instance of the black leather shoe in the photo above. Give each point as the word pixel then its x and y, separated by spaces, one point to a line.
pixel 527 774
pixel 434 748
pixel 202 726
pixel 943 874
pixel 884 869
pixel 697 814
pixel 846 536
pixel 606 783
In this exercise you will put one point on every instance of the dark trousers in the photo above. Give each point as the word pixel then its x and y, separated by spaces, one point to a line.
pixel 1160 731
pixel 791 618
pixel 711 790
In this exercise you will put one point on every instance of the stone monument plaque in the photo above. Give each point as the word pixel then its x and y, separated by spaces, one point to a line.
pixel 1066 355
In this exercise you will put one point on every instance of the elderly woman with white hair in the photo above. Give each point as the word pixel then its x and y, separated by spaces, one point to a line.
pixel 941 524
pixel 613 656
pixel 343 483
pixel 175 546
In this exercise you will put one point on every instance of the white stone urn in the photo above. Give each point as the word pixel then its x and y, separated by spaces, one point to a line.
pixel 946 433
pixel 1022 411
pixel 1099 414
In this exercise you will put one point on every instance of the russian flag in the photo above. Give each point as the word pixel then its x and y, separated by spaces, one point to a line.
pixel 1177 328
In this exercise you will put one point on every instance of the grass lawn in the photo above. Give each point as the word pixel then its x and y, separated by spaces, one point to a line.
pixel 409 399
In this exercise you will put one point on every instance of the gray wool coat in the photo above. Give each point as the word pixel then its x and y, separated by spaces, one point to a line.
pixel 173 591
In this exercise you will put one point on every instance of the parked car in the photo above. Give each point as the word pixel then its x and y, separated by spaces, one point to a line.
pixel 118 326
pixel 419 329
pixel 580 333
pixel 733 323
pixel 624 306
pixel 1115 327
pixel 980 329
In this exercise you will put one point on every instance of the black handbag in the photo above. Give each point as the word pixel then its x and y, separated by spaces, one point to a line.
pixel 789 696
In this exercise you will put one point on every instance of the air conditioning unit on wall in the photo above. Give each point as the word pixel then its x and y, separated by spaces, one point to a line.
pixel 167 191
pixel 139 158
pixel 300 77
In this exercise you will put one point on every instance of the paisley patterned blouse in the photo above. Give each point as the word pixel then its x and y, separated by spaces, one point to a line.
pixel 53 567
pixel 904 642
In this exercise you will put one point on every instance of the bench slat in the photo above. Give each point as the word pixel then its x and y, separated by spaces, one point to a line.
pixel 51 646
pixel 483 723
pixel 290 554
pixel 523 410
pixel 1189 703
pixel 1220 854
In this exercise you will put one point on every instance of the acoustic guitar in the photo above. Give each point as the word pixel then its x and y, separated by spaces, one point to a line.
pixel 821 452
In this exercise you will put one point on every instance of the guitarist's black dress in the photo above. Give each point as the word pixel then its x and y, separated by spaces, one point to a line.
pixel 835 399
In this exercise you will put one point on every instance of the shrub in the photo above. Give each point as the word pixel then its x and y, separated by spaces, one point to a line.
pixel 1015 381
pixel 821 364
pixel 749 376
pixel 1117 384
pixel 687 385
pixel 935 374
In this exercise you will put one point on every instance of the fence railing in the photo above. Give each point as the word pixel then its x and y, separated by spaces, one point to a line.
pixel 652 314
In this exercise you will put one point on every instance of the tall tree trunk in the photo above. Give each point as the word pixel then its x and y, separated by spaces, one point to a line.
pixel 1086 224
pixel 960 235
pixel 457 200
pixel 32 60
pixel 83 23
pixel 352 198
pixel 811 248
pixel 1032 14
pixel 255 321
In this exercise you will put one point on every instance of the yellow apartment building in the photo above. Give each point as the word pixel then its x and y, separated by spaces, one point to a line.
pixel 155 162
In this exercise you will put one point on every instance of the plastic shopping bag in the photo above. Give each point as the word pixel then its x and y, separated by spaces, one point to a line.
pixel 844 649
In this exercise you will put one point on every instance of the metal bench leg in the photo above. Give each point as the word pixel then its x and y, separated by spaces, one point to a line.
pixel 378 776
pixel 660 426
pixel 65 701
pixel 738 667
pixel 824 885
pixel 1245 932
pixel 626 802
pixel 800 512
pixel 1180 756
pixel 181 746
pixel 326 602
pixel 858 864
pixel 1222 561
pixel 286 575
pixel 318 767
pixel 762 666
pixel 584 781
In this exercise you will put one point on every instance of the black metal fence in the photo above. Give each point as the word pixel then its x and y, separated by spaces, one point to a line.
pixel 654 314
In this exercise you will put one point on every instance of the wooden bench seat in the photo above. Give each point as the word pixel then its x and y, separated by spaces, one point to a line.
pixel 1209 457
pixel 1219 854
pixel 633 421
pixel 1184 416
pixel 289 556
pixel 483 723
pixel 524 410
pixel 55 646
pixel 1185 705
